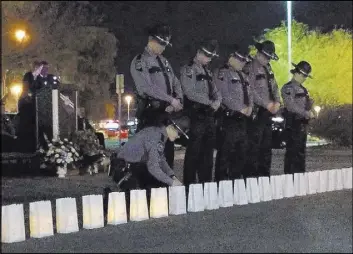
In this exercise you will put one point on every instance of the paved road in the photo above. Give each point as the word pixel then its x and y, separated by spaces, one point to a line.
pixel 319 213
pixel 317 223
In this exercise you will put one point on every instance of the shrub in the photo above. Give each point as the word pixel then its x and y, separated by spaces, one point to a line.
pixel 334 124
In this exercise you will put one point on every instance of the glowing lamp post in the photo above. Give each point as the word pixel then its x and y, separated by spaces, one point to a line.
pixel 317 110
pixel 20 35
pixel 16 90
pixel 128 99
pixel 289 24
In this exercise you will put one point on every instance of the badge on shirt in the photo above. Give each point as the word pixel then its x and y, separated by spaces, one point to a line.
pixel 138 64
pixel 288 91
pixel 160 148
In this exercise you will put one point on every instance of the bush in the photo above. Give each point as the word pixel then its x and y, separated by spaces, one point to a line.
pixel 334 124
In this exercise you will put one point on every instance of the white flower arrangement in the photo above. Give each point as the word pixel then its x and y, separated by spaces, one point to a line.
pixel 60 153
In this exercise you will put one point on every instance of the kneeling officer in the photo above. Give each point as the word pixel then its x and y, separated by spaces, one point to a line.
pixel 141 163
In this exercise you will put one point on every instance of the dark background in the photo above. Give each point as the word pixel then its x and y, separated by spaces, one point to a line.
pixel 192 22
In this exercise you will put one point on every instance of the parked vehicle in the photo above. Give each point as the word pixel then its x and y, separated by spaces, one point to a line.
pixel 278 141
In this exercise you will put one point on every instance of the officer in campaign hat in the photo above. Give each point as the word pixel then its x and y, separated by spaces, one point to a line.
pixel 297 112
pixel 236 108
pixel 201 101
pixel 157 89
pixel 141 164
pixel 142 156
pixel 267 103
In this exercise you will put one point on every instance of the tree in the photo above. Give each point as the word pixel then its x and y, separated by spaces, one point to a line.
pixel 62 34
pixel 330 55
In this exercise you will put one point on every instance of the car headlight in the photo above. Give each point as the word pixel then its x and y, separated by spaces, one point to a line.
pixel 278 119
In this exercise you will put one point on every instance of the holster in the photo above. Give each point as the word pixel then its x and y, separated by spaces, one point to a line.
pixel 292 119
pixel 124 174
pixel 198 110
pixel 150 111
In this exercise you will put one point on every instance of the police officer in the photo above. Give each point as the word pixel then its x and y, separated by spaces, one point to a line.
pixel 201 101
pixel 297 112
pixel 141 162
pixel 157 88
pixel 267 102
pixel 236 108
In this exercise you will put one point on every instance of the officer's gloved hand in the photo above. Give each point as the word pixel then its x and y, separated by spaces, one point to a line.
pixel 215 105
pixel 309 115
pixel 176 182
pixel 273 107
pixel 176 104
pixel 169 109
pixel 246 111
pixel 276 107
pixel 270 106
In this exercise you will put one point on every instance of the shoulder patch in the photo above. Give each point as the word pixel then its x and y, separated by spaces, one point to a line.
pixel 269 68
pixel 160 147
pixel 138 63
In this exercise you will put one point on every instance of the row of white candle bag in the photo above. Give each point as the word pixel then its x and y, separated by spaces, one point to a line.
pixel 163 203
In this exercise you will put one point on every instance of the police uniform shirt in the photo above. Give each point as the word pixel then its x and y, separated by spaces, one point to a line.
pixel 263 83
pixel 150 80
pixel 195 85
pixel 295 98
pixel 147 146
pixel 229 83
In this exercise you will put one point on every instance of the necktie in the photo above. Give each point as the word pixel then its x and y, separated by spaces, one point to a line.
pixel 245 89
pixel 167 82
pixel 269 83
pixel 209 83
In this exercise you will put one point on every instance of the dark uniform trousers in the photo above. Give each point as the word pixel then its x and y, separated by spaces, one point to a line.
pixel 231 155
pixel 259 155
pixel 199 151
pixel 154 117
pixel 296 136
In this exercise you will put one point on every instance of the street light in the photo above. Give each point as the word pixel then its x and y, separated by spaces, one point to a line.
pixel 16 89
pixel 289 24
pixel 128 99
pixel 20 35
pixel 317 110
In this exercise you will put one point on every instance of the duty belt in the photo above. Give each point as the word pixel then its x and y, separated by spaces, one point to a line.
pixel 228 113
pixel 291 117
pixel 199 108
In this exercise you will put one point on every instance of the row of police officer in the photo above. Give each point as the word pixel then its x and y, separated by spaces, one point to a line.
pixel 241 97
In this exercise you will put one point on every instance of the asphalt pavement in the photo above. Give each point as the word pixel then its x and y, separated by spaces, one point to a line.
pixel 316 223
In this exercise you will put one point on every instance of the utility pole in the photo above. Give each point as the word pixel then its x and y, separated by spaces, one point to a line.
pixel 119 91
pixel 289 38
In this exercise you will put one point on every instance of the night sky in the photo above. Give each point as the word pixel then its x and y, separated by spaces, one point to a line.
pixel 192 22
